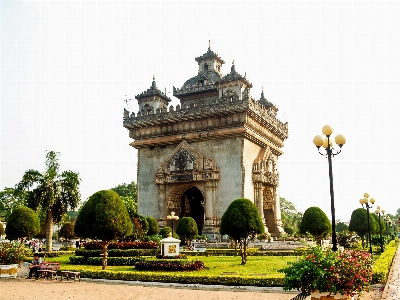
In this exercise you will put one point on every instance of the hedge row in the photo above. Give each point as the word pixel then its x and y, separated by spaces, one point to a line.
pixel 250 252
pixel 383 263
pixel 169 265
pixel 122 245
pixel 187 278
pixel 111 261
pixel 118 252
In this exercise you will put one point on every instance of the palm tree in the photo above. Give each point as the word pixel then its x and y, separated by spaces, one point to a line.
pixel 52 192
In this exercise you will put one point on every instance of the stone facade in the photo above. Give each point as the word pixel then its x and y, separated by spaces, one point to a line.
pixel 217 145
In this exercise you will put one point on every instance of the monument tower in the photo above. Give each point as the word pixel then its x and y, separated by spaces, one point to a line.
pixel 217 145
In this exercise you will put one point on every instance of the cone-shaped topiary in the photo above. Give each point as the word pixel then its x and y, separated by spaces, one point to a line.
pixel 104 217
pixel 316 223
pixel 242 222
pixel 22 223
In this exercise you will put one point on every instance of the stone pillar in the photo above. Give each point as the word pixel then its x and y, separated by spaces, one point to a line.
pixel 259 199
pixel 162 202
pixel 209 228
pixel 277 219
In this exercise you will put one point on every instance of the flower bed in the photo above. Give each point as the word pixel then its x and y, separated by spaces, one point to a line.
pixel 346 273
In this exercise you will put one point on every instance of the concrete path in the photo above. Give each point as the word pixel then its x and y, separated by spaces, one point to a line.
pixel 392 288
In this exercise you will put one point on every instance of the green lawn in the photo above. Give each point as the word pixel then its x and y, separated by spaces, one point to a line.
pixel 215 265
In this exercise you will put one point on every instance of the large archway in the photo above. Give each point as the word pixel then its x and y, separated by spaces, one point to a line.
pixel 192 205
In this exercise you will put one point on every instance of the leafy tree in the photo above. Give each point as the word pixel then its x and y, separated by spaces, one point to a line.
pixel 242 223
pixel 42 232
pixel 359 223
pixel 128 194
pixel 153 226
pixel 22 223
pixel 103 217
pixel 52 192
pixel 377 229
pixel 291 218
pixel 341 227
pixel 67 231
pixel 10 199
pixel 187 229
pixel 140 227
pixel 164 232
pixel 316 223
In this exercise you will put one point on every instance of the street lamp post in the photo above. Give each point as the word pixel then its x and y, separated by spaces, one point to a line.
pixel 173 218
pixel 327 144
pixel 380 212
pixel 365 201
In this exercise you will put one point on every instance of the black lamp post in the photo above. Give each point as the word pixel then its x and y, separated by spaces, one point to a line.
pixel 327 145
pixel 173 218
pixel 380 212
pixel 365 201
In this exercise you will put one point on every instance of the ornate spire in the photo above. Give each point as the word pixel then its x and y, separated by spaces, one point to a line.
pixel 209 45
pixel 262 93
pixel 233 70
pixel 153 84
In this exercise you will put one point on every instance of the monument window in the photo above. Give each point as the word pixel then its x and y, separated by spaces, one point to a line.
pixel 205 67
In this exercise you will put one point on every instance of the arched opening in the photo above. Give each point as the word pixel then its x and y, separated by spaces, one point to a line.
pixel 192 205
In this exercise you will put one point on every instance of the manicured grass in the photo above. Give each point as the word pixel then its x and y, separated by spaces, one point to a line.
pixel 216 265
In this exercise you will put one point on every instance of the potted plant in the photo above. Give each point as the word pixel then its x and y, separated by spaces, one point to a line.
pixel 335 275
pixel 11 255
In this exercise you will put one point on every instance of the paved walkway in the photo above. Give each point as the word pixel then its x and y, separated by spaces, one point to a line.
pixel 21 289
pixel 392 288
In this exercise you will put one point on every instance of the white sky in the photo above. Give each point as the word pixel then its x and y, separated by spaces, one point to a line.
pixel 66 67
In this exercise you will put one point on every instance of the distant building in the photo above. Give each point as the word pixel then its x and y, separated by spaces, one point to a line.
pixel 217 145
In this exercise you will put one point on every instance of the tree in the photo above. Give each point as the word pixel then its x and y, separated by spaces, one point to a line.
pixel 242 223
pixel 153 226
pixel 67 231
pixel 291 218
pixel 10 199
pixel 316 223
pixel 103 217
pixel 51 192
pixel 341 227
pixel 22 223
pixel 128 194
pixel 377 228
pixel 164 232
pixel 359 223
pixel 187 229
pixel 140 227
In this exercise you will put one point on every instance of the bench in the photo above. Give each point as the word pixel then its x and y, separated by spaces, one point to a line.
pixel 70 275
pixel 48 270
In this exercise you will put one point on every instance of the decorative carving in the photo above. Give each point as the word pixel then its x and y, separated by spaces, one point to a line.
pixel 268 197
pixel 264 168
pixel 186 164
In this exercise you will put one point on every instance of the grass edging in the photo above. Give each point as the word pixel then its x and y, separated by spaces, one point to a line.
pixel 189 278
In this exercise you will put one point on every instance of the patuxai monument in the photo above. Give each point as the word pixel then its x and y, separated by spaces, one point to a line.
pixel 218 144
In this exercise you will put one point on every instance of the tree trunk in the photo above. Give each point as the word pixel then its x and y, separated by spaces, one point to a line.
pixel 49 231
pixel 104 246
pixel 244 252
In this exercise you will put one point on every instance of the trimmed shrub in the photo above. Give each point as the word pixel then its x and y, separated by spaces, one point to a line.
pixel 187 278
pixel 118 252
pixel 153 226
pixel 169 265
pixel 23 222
pixel 122 245
pixel 384 262
pixel 111 261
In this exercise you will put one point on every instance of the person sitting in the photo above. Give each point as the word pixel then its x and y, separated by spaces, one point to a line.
pixel 36 262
